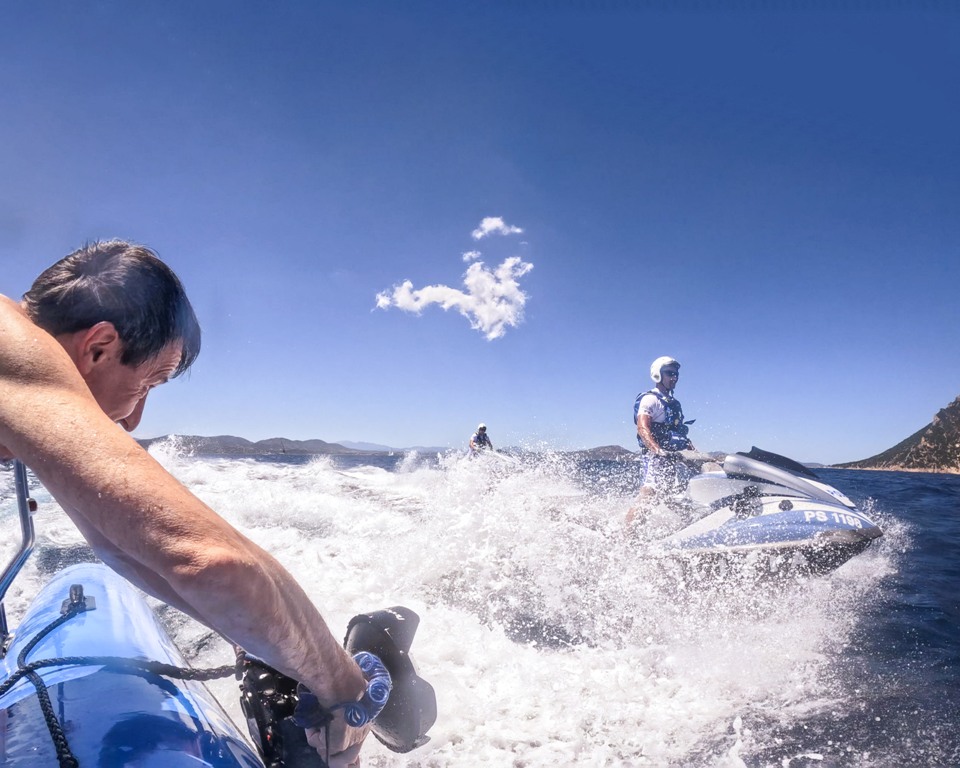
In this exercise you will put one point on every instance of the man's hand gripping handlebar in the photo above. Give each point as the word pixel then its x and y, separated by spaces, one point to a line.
pixel 398 706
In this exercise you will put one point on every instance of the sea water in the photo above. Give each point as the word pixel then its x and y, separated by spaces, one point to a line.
pixel 552 640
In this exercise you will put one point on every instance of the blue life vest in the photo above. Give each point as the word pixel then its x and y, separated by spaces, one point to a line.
pixel 671 434
pixel 481 440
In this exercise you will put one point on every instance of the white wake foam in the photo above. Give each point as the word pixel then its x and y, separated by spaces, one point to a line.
pixel 550 641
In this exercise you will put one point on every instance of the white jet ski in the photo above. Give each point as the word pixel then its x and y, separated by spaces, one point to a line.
pixel 768 512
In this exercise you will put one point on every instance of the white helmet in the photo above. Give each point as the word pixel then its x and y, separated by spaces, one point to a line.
pixel 482 426
pixel 657 364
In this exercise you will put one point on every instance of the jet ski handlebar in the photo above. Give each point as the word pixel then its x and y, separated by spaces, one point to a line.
pixel 400 705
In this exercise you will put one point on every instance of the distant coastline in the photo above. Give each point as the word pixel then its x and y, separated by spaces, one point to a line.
pixel 935 448
pixel 230 445
pixel 897 468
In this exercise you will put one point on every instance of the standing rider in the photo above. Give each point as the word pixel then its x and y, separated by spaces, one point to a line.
pixel 480 441
pixel 661 433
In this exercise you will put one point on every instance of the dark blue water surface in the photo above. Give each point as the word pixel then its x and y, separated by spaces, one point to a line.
pixel 903 664
pixel 907 658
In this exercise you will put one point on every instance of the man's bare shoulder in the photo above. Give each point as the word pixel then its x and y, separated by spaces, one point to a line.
pixel 37 377
pixel 11 314
pixel 27 352
pixel 16 330
pixel 9 305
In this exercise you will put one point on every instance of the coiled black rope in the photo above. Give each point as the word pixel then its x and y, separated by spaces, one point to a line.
pixel 119 664
pixel 65 756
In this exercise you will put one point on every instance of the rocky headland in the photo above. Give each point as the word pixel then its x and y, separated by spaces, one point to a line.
pixel 935 448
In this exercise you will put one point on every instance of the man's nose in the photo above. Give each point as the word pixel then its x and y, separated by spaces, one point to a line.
pixel 130 422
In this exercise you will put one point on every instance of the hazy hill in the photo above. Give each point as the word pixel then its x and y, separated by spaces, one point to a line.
pixel 378 448
pixel 228 445
pixel 935 448
pixel 605 452
pixel 365 446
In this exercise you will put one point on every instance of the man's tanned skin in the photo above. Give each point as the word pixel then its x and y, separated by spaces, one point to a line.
pixel 62 397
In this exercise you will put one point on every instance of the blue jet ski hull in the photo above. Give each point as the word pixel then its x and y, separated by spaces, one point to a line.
pixel 771 515
pixel 813 539
pixel 111 718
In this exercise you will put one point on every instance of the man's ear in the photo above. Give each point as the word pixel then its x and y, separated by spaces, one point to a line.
pixel 96 345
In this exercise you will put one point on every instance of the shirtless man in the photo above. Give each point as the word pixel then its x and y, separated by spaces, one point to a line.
pixel 78 356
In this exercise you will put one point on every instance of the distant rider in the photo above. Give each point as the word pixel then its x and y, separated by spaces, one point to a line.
pixel 480 441
pixel 661 433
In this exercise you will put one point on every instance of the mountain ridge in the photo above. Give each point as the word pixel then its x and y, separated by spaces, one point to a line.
pixel 230 445
pixel 934 448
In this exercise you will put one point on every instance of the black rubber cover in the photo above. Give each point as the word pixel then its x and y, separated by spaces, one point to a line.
pixel 411 709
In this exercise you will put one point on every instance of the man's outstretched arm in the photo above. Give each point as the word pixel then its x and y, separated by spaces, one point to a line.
pixel 145 523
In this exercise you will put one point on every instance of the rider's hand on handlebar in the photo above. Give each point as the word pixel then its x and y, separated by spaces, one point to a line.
pixel 344 743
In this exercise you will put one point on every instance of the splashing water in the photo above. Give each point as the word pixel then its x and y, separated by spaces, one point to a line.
pixel 550 639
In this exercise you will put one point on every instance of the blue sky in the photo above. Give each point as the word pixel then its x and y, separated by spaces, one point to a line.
pixel 771 197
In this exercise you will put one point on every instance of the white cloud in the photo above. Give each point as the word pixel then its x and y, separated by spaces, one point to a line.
pixel 491 301
pixel 494 225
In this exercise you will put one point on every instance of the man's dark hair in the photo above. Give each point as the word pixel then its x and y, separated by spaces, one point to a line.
pixel 124 284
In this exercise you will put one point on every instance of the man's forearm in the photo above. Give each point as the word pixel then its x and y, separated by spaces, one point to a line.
pixel 260 607
pixel 646 435
pixel 274 635
pixel 176 548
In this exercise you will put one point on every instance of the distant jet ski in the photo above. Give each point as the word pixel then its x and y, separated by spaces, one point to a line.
pixel 494 457
pixel 767 511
